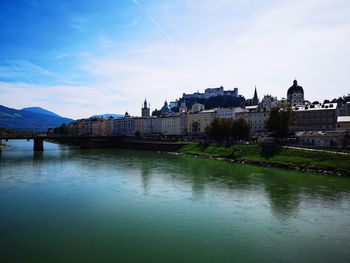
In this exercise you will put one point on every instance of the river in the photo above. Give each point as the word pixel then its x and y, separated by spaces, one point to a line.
pixel 113 205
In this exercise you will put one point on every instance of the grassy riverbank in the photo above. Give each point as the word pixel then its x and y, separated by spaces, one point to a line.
pixel 275 156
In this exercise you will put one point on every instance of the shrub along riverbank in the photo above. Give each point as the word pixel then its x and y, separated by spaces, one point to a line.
pixel 278 156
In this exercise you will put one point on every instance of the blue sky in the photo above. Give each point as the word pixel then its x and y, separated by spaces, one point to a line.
pixel 80 58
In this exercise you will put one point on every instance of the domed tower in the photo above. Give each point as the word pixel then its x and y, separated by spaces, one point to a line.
pixel 295 94
pixel 165 109
pixel 145 110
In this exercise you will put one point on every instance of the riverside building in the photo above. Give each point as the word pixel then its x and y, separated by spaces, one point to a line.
pixel 316 117
pixel 255 117
pixel 197 122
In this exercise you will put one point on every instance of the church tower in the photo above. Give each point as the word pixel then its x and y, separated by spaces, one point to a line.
pixel 295 94
pixel 183 107
pixel 145 110
pixel 255 99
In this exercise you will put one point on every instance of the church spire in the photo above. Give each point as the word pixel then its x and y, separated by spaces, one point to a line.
pixel 255 98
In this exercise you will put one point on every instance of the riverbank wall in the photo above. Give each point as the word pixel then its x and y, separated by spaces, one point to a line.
pixel 123 142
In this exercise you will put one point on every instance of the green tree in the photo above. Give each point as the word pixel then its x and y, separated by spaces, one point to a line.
pixel 224 129
pixel 156 113
pixel 240 129
pixel 280 121
pixel 61 130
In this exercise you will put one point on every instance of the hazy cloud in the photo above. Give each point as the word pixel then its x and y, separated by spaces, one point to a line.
pixel 231 43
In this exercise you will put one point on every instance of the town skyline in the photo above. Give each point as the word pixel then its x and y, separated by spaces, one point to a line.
pixel 153 107
pixel 80 59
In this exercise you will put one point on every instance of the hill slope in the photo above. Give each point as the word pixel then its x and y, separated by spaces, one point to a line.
pixel 107 115
pixel 29 120
pixel 40 110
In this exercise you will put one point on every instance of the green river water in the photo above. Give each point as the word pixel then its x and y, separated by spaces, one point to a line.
pixel 72 205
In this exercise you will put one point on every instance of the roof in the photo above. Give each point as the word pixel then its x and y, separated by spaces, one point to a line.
pixel 321 134
pixel 207 111
pixel 204 112
pixel 252 107
pixel 295 88
pixel 343 119
pixel 165 109
pixel 230 108
pixel 326 106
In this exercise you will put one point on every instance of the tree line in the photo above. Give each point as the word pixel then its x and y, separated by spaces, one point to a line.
pixel 278 124
pixel 227 129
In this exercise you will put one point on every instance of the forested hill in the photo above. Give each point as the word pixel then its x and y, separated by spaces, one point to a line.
pixel 35 118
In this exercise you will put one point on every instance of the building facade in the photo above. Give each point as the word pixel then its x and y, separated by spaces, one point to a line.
pixel 198 122
pixel 256 118
pixel 124 126
pixel 343 123
pixel 228 113
pixel 211 92
pixel 268 102
pixel 197 107
pixel 338 138
pixel 316 117
pixel 99 127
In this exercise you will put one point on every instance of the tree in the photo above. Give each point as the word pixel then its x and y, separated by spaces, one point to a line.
pixel 61 130
pixel 280 121
pixel 224 129
pixel 214 130
pixel 240 129
pixel 138 134
pixel 156 113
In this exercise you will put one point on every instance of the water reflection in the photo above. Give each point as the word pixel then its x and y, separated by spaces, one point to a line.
pixel 118 203
pixel 285 190
pixel 38 156
pixel 146 171
pixel 284 198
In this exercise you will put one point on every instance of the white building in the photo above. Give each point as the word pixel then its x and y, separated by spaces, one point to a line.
pixel 269 102
pixel 228 113
pixel 256 119
pixel 211 92
pixel 124 126
pixel 197 107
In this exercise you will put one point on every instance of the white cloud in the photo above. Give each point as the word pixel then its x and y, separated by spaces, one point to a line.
pixel 68 101
pixel 229 43
pixel 299 39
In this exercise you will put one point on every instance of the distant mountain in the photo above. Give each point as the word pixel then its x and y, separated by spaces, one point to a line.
pixel 33 119
pixel 107 115
pixel 41 110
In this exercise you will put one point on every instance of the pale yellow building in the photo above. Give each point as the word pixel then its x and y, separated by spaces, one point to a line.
pixel 197 122
pixel 138 125
pixel 99 127
pixel 174 124
pixel 197 107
